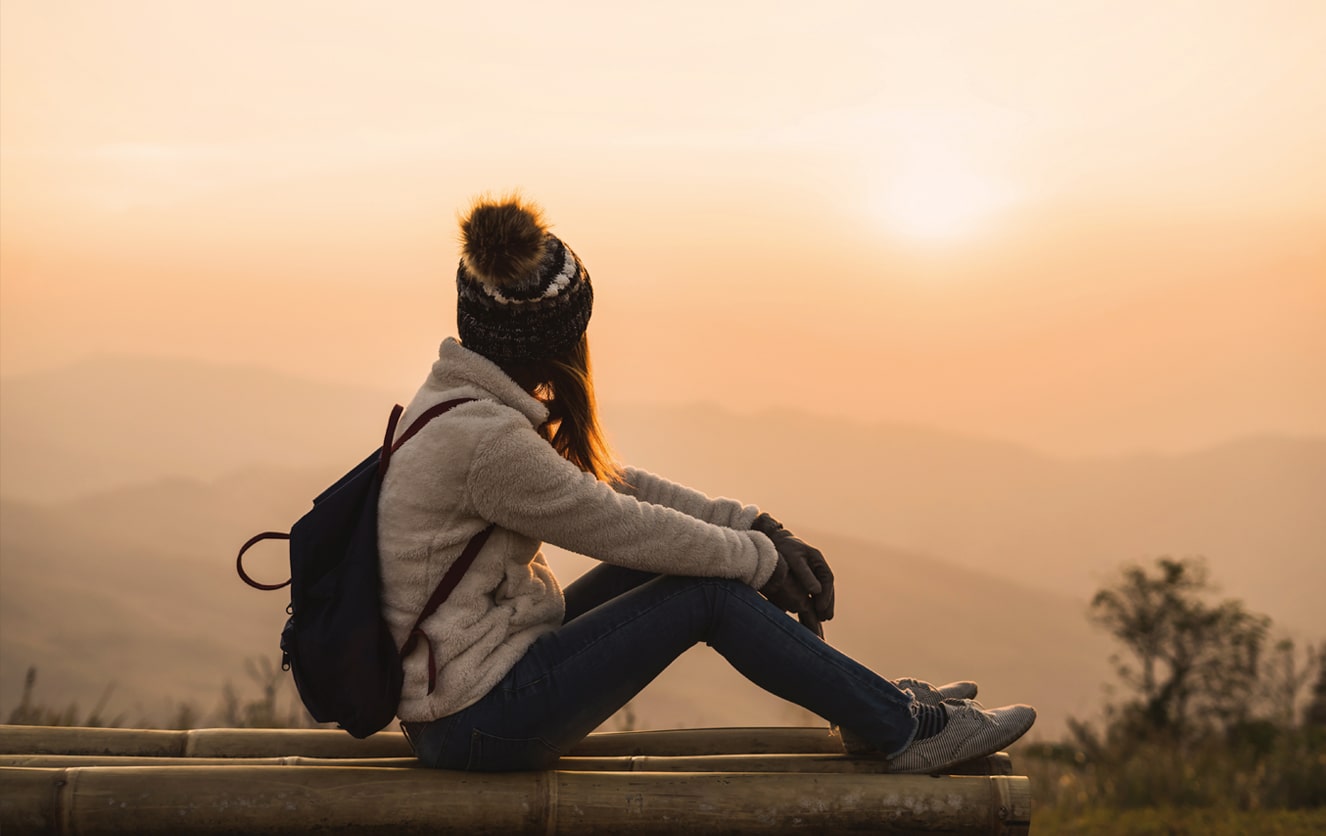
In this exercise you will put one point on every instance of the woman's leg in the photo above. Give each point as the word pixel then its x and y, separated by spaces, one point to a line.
pixel 573 679
pixel 602 583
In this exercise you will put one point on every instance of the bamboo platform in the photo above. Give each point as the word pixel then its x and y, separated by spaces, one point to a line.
pixel 72 780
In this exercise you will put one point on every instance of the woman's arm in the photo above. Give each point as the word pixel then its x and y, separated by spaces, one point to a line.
pixel 517 480
pixel 649 487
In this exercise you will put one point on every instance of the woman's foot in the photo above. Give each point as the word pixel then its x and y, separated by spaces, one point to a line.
pixel 928 694
pixel 971 732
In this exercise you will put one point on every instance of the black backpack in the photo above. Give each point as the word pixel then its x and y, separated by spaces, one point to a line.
pixel 337 644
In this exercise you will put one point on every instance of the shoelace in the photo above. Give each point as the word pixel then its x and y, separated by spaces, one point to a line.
pixel 976 708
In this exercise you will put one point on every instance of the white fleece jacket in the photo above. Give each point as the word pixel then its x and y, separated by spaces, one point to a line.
pixel 485 462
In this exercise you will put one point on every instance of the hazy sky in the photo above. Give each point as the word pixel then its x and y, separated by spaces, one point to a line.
pixel 1085 226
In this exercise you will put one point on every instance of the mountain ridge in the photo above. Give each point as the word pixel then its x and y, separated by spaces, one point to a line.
pixel 165 617
pixel 238 457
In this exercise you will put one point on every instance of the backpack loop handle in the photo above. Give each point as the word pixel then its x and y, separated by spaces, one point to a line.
pixel 253 541
pixel 384 459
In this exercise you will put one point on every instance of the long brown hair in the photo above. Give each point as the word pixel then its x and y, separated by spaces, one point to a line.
pixel 564 384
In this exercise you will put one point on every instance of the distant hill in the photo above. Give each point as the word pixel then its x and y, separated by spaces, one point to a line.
pixel 1252 506
pixel 906 615
pixel 129 483
pixel 114 421
pixel 138 588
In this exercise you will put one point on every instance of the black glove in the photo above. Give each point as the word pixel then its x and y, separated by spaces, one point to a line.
pixel 783 590
pixel 805 564
pixel 786 593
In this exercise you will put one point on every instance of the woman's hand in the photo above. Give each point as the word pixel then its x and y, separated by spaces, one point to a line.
pixel 787 593
pixel 782 589
pixel 806 568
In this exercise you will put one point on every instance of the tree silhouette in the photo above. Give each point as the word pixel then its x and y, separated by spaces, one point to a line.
pixel 1316 713
pixel 1193 665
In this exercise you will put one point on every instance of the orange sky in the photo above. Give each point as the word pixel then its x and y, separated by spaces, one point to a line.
pixel 1088 227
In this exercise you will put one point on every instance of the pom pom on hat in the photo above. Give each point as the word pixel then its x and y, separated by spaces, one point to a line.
pixel 503 242
pixel 522 294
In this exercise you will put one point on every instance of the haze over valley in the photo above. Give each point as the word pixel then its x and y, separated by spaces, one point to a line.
pixel 956 556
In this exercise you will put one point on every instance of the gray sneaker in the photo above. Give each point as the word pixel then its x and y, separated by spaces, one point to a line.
pixel 928 694
pixel 972 732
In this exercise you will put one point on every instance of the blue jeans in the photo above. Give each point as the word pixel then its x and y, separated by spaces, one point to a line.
pixel 622 628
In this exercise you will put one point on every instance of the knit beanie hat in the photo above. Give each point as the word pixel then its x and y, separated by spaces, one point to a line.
pixel 521 293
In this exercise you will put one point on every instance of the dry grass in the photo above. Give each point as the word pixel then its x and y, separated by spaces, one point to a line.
pixel 1268 782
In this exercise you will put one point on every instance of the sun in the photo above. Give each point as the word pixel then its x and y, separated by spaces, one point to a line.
pixel 935 195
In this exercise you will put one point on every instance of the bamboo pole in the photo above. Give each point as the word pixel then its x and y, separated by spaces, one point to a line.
pixel 333 743
pixel 199 743
pixel 757 740
pixel 70 761
pixel 250 799
pixel 997 764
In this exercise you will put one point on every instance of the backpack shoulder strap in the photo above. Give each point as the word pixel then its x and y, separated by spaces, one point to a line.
pixel 388 447
pixel 443 591
pixel 462 564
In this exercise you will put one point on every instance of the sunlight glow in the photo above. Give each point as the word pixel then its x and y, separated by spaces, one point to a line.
pixel 936 195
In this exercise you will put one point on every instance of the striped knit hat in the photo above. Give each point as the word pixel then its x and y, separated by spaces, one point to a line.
pixel 521 293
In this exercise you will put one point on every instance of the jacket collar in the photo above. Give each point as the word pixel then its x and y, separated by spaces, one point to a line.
pixel 457 366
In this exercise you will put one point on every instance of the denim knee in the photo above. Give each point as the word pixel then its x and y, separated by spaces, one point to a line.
pixel 726 585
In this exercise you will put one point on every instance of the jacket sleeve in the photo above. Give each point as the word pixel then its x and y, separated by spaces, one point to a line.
pixel 649 487
pixel 518 481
